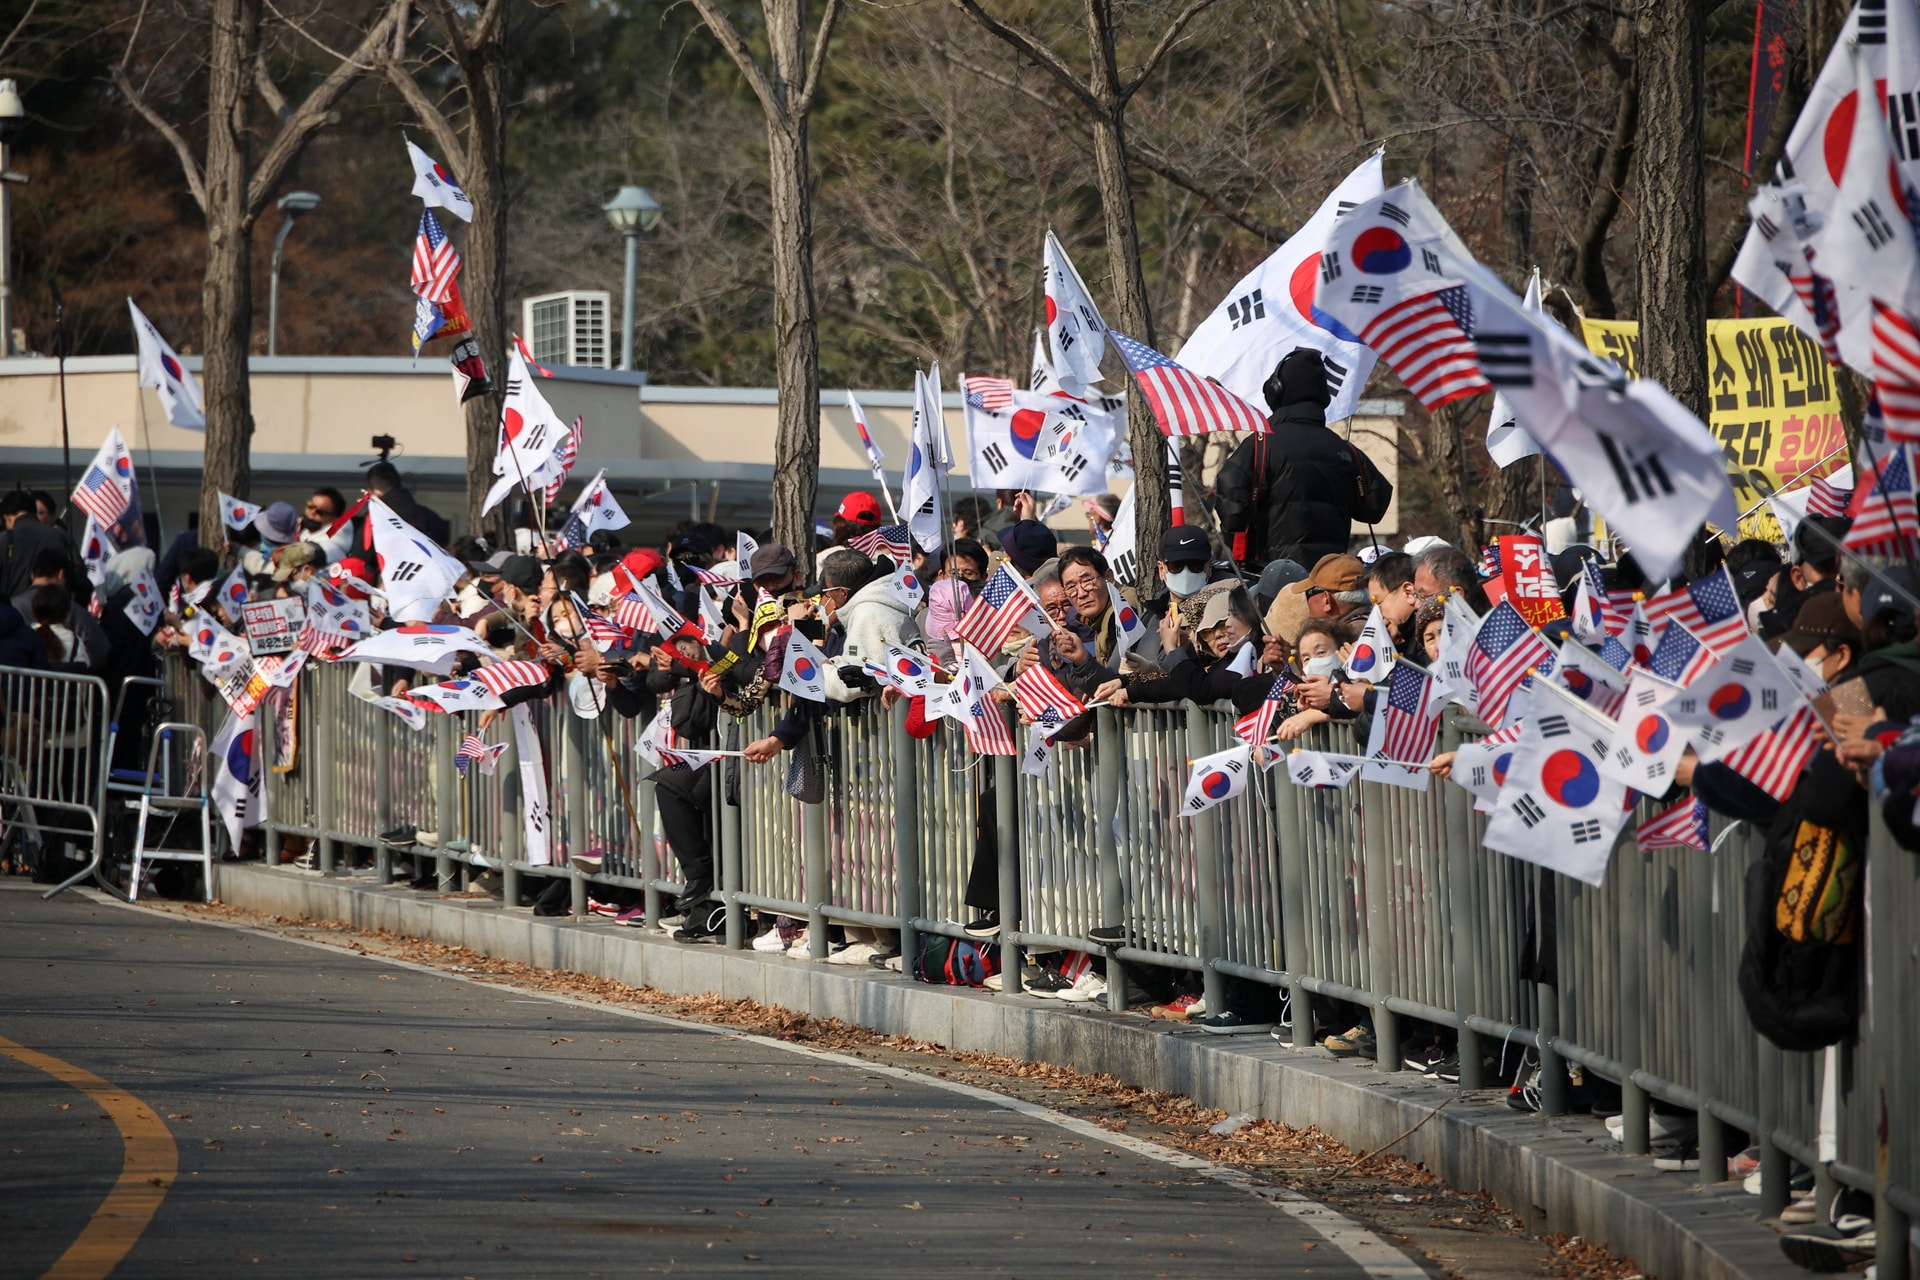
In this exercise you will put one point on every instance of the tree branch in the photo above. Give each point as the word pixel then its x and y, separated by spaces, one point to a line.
pixel 196 183
pixel 311 115
pixel 818 60
pixel 1032 49
pixel 276 101
pixel 431 118
pixel 1157 165
pixel 1193 10
pixel 729 37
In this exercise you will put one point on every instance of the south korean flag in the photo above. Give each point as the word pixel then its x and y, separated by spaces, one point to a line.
pixel 531 433
pixel 1734 701
pixel 455 696
pixel 1025 440
pixel 1316 769
pixel 1557 809
pixel 1216 778
pixel 1038 757
pixel 1373 653
pixel 415 573
pixel 909 672
pixel 1647 741
pixel 803 673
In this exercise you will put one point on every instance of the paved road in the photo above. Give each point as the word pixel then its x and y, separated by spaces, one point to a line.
pixel 340 1116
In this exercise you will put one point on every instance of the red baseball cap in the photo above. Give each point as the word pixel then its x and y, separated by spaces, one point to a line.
pixel 861 508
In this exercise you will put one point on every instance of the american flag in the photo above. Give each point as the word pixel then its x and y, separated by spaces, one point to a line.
pixel 1639 636
pixel 987 732
pixel 1774 761
pixel 1428 341
pixel 1684 826
pixel 568 451
pixel 1679 657
pixel 1885 521
pixel 602 629
pixel 1489 566
pixel 1004 604
pixel 1409 729
pixel 499 677
pixel 1183 402
pixel 1825 499
pixel 1256 726
pixel 1038 690
pixel 1709 608
pixel 1896 371
pixel 321 644
pixel 889 540
pixel 1621 603
pixel 435 263
pixel 631 614
pixel 1504 650
pixel 100 496
pixel 989 394
pixel 472 747
pixel 1593 611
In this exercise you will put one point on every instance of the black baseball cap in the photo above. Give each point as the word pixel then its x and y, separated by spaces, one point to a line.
pixel 1184 542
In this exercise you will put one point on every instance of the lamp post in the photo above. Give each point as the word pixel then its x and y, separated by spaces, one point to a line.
pixel 292 205
pixel 632 211
pixel 13 118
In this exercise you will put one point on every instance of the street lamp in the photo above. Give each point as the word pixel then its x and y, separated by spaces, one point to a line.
pixel 13 118
pixel 292 204
pixel 632 211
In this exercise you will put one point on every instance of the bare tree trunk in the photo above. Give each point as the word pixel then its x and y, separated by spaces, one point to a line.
pixel 1447 452
pixel 226 291
pixel 485 291
pixel 796 331
pixel 1151 514
pixel 1671 211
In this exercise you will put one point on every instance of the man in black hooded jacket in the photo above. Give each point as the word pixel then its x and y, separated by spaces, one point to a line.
pixel 1293 493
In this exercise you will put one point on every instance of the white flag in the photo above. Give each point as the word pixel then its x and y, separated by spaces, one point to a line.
pixel 1481 766
pixel 1315 769
pixel 1048 443
pixel 161 369
pixel 1557 809
pixel 1038 757
pixel 1588 677
pixel 96 548
pixel 1272 311
pixel 1647 743
pixel 528 446
pixel 657 736
pixel 145 605
pixel 905 587
pixel 1867 240
pixel 1220 776
pixel 1122 557
pixel 436 187
pixel 234 593
pixel 206 637
pixel 973 679
pixel 596 508
pixel 1373 653
pixel 538 850
pixel 1458 626
pixel 906 670
pixel 1735 700
pixel 236 774
pixel 421 645
pixel 920 484
pixel 455 696
pixel 804 671
pixel 235 514
pixel 1041 377
pixel 1507 440
pixel 1073 322
pixel 1129 628
pixel 415 574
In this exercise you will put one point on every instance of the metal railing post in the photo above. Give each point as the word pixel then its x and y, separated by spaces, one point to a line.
pixel 1467 921
pixel 1293 903
pixel 906 834
pixel 512 821
pixel 1630 934
pixel 1111 751
pixel 324 762
pixel 384 736
pixel 1708 1052
pixel 1776 1169
pixel 813 837
pixel 731 854
pixel 1206 874
pixel 572 774
pixel 1006 804
pixel 1379 917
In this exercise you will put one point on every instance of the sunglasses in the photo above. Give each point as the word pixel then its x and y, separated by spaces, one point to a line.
pixel 1187 566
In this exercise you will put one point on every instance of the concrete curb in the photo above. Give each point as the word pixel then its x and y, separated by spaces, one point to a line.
pixel 1558 1174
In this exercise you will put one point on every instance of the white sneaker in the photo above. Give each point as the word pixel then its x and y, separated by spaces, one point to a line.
pixel 800 948
pixel 1660 1127
pixel 770 942
pixel 854 953
pixel 1091 987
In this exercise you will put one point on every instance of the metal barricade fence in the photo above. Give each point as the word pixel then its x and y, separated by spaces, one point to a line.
pixel 54 735
pixel 1378 895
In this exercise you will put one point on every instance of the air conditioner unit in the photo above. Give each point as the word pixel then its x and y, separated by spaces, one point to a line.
pixel 568 328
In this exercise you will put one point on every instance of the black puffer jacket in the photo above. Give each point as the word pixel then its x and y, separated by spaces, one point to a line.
pixel 1294 493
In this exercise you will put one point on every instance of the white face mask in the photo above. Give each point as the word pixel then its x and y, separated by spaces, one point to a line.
pixel 1185 582
pixel 1324 665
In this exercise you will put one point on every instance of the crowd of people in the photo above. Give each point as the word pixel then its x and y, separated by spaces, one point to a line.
pixel 1266 614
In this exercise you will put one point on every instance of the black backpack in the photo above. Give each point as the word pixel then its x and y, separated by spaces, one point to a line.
pixel 1800 967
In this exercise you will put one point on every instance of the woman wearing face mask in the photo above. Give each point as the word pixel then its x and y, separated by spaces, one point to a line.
pixel 1207 667
pixel 1316 655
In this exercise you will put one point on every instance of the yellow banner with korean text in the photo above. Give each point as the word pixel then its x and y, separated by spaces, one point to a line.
pixel 1774 406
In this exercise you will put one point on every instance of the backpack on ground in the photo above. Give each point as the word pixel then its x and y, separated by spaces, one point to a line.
pixel 955 962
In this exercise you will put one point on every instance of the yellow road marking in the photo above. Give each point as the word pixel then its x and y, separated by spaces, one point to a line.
pixel 148 1167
